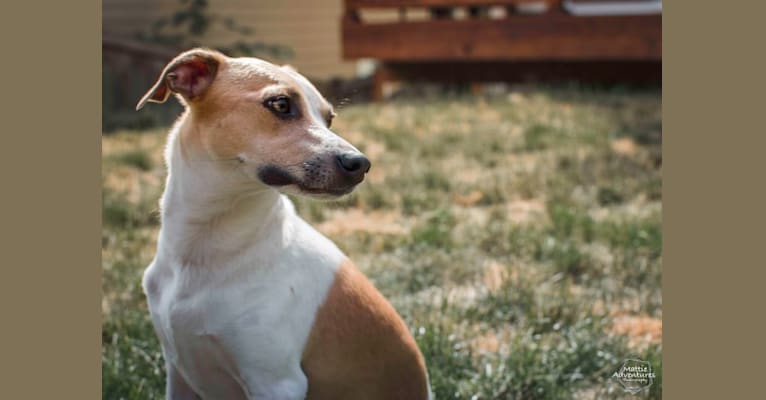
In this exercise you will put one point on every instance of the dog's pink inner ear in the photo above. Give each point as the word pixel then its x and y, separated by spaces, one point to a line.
pixel 189 75
pixel 191 78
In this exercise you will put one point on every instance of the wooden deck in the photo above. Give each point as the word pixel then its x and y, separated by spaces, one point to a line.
pixel 479 45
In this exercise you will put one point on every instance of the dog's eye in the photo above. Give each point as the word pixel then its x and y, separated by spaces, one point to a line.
pixel 280 105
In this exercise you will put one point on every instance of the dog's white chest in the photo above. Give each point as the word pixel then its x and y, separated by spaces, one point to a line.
pixel 238 331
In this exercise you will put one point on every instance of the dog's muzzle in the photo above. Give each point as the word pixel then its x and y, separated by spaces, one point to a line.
pixel 336 175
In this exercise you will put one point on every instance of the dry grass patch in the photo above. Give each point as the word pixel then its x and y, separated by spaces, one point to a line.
pixel 349 221
pixel 641 330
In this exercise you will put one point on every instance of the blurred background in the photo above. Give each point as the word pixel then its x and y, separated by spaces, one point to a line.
pixel 360 49
pixel 513 212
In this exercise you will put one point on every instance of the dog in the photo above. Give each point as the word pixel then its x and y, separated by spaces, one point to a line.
pixel 247 299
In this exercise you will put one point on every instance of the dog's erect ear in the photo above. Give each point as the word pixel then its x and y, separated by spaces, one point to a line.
pixel 189 74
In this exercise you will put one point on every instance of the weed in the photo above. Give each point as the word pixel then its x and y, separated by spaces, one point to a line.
pixel 436 231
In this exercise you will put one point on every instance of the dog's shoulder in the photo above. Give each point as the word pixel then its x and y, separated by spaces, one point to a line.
pixel 358 336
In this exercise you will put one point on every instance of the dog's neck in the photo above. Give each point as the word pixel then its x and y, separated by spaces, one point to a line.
pixel 209 216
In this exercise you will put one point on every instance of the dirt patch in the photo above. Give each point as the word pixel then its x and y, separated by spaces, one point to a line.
pixel 495 341
pixel 374 150
pixel 640 330
pixel 526 162
pixel 624 146
pixel 343 222
pixel 152 142
pixel 468 175
pixel 495 275
pixel 122 179
pixel 476 216
pixel 133 184
pixel 517 211
pixel 523 211
pixel 638 208
pixel 469 199
pixel 489 343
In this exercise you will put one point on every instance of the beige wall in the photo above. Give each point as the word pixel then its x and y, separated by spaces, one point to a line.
pixel 310 28
pixel 125 17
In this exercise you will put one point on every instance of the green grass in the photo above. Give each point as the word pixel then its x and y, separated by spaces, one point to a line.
pixel 515 234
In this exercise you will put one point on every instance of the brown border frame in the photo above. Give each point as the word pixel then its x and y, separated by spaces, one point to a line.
pixel 713 178
pixel 51 202
pixel 713 200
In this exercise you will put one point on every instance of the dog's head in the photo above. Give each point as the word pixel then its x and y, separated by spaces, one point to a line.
pixel 270 121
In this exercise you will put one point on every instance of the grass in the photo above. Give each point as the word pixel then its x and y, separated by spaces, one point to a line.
pixel 518 235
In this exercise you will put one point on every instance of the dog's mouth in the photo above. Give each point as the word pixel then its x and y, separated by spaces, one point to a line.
pixel 318 183
pixel 276 176
pixel 335 192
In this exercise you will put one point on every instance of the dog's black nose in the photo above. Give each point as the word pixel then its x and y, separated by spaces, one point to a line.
pixel 354 164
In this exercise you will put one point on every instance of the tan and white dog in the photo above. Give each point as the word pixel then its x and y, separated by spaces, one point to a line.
pixel 248 300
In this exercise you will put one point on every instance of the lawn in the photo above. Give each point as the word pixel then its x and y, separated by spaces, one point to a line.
pixel 518 234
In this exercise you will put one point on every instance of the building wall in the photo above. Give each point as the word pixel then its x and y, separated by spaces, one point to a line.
pixel 310 28
pixel 123 18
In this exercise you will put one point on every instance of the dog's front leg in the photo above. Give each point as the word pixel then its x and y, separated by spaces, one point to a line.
pixel 176 387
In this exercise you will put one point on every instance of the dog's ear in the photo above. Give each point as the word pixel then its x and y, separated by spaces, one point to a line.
pixel 189 74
